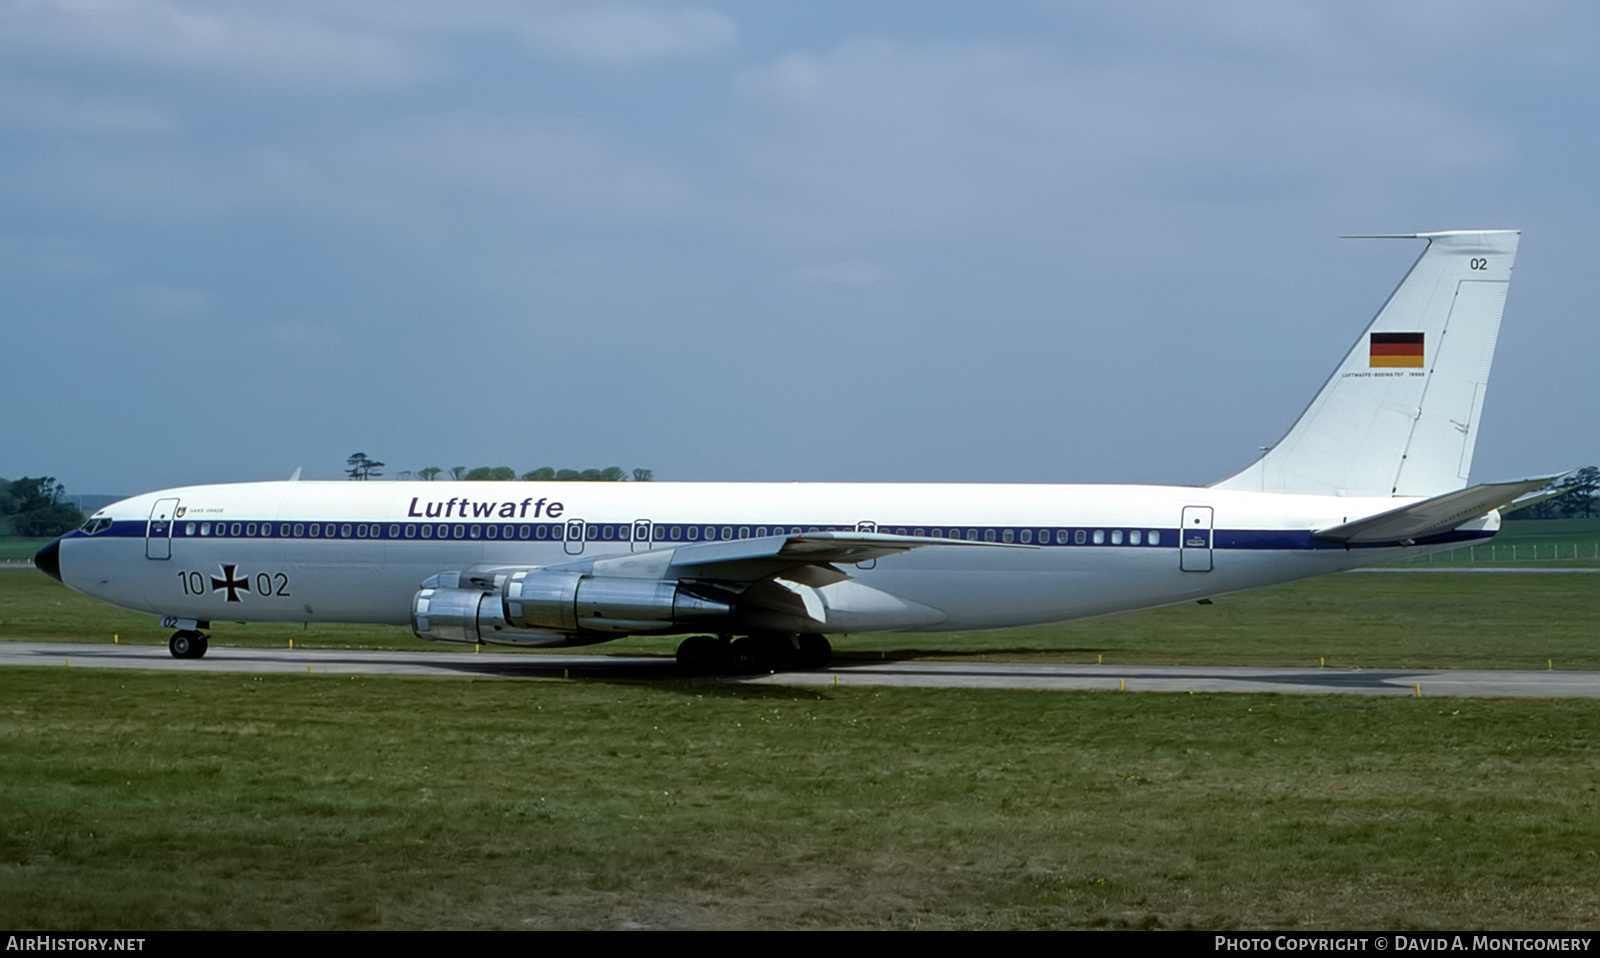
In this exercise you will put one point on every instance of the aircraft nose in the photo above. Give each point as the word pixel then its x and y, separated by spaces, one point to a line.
pixel 48 560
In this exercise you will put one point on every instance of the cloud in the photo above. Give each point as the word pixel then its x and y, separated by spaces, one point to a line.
pixel 235 40
pixel 168 302
pixel 519 166
pixel 39 106
pixel 924 136
pixel 849 273
pixel 627 34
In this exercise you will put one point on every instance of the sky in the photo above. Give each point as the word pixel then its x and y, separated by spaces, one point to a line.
pixel 930 241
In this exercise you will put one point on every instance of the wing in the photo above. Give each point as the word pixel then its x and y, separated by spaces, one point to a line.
pixel 750 560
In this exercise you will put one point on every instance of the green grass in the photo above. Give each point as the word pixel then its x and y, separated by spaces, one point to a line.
pixel 169 800
pixel 1474 620
pixel 15 548
pixel 142 800
pixel 1551 543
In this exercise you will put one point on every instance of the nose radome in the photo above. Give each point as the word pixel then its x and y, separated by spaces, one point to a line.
pixel 48 560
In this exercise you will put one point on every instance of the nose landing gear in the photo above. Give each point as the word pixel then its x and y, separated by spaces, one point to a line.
pixel 187 644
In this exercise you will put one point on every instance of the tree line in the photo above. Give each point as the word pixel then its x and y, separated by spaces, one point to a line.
pixel 362 466
pixel 36 508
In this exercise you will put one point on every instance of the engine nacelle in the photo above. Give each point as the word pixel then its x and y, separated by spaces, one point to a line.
pixel 570 601
pixel 445 613
pixel 538 607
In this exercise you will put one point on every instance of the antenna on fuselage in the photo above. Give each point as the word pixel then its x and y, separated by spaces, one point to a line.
pixel 296 476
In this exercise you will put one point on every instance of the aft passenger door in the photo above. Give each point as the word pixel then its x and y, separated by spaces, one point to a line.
pixel 1194 539
pixel 158 532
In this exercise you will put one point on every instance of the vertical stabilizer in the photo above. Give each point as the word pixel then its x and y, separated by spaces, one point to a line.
pixel 1400 415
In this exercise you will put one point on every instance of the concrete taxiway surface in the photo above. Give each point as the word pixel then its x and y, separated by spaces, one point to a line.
pixel 909 673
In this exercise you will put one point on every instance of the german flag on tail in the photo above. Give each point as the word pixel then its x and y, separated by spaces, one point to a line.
pixel 1395 349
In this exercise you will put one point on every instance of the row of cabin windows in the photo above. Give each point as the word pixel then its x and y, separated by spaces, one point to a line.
pixel 611 532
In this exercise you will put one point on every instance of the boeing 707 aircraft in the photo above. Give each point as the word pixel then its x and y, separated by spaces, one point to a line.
pixel 1375 469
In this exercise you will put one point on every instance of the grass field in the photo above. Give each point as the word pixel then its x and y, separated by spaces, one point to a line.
pixel 13 548
pixel 153 800
pixel 1534 542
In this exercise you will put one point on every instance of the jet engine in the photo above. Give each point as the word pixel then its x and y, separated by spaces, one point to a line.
pixel 545 607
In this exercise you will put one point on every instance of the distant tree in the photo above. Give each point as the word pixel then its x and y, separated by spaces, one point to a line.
pixel 543 474
pixel 430 473
pixel 1582 498
pixel 1579 498
pixel 612 474
pixel 643 475
pixel 362 467
pixel 403 474
pixel 567 475
pixel 36 507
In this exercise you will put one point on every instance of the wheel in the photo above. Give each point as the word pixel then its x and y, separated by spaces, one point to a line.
pixel 702 653
pixel 751 654
pixel 187 645
pixel 815 652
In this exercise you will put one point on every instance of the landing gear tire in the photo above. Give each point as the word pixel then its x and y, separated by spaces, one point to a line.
pixel 813 652
pixel 753 654
pixel 702 653
pixel 188 645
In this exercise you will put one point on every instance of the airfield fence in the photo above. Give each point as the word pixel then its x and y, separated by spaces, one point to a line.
pixel 1553 554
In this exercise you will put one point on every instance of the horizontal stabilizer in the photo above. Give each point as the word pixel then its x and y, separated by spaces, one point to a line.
pixel 1433 516
pixel 1558 488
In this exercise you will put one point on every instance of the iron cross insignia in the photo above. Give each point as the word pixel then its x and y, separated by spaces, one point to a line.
pixel 227 581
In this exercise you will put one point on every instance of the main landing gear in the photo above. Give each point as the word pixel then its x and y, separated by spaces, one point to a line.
pixel 188 644
pixel 753 654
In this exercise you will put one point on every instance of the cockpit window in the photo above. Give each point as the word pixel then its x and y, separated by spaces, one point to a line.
pixel 97 524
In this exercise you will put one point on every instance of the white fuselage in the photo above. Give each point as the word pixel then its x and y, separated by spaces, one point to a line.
pixel 358 551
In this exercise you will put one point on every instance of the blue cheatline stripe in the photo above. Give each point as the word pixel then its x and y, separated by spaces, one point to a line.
pixel 683 533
